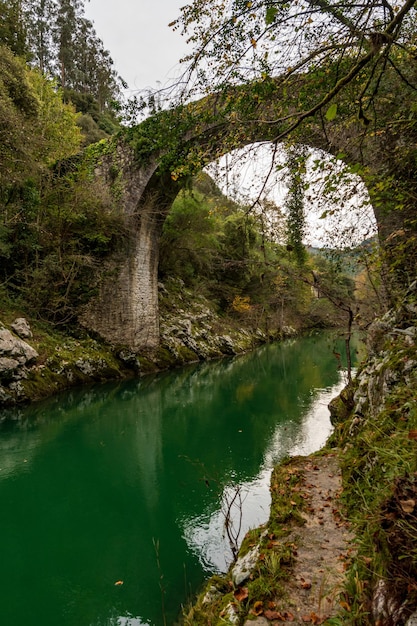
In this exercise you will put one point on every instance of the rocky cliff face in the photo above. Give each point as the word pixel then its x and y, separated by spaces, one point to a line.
pixel 26 374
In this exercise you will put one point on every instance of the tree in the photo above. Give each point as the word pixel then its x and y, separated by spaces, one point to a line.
pixel 12 26
pixel 56 133
pixel 247 40
pixel 340 76
pixel 18 110
pixel 294 204
pixel 40 19
pixel 66 27
pixel 55 37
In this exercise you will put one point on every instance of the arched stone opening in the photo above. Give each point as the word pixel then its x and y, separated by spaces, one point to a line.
pixel 125 312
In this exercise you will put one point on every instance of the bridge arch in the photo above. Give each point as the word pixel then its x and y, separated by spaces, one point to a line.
pixel 150 174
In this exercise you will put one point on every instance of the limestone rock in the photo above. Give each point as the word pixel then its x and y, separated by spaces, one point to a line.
pixel 226 345
pixel 16 356
pixel 244 565
pixel 21 327
pixel 13 348
pixel 211 595
pixel 230 614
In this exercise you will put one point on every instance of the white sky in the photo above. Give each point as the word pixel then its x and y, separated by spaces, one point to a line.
pixel 144 48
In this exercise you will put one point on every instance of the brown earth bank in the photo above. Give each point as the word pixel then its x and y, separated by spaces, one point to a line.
pixel 321 548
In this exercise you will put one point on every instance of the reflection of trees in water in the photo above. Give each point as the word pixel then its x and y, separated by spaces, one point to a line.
pixel 201 407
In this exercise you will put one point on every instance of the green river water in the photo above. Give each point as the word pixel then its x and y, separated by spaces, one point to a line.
pixel 124 482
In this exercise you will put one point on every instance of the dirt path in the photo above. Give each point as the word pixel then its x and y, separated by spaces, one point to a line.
pixel 321 551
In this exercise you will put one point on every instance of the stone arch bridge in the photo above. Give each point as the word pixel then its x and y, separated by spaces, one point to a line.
pixel 149 165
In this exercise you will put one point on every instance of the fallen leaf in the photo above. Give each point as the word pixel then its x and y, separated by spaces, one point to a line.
pixel 289 617
pixel 407 505
pixel 258 608
pixel 241 594
pixel 274 615
pixel 412 434
pixel 305 584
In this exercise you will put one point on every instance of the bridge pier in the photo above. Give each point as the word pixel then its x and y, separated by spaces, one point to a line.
pixel 125 311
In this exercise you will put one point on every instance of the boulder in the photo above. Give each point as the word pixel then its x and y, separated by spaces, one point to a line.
pixel 13 348
pixel 21 327
pixel 244 565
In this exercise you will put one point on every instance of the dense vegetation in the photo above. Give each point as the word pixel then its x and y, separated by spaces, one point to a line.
pixel 58 92
pixel 223 250
pixel 58 223
pixel 55 37
pixel 339 76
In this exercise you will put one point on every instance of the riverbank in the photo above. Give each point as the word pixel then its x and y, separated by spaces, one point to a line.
pixel 293 570
pixel 371 571
pixel 37 360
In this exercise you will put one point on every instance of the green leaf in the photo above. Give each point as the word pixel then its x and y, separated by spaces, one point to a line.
pixel 331 112
pixel 270 15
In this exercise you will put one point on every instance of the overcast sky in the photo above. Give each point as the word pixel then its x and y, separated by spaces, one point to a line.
pixel 144 48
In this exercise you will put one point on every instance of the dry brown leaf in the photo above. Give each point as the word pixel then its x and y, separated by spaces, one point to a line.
pixel 289 617
pixel 408 505
pixel 274 615
pixel 241 594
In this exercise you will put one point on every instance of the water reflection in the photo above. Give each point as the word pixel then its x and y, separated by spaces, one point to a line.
pixel 124 482
pixel 206 535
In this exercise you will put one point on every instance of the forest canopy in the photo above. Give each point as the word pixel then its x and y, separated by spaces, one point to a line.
pixel 57 38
